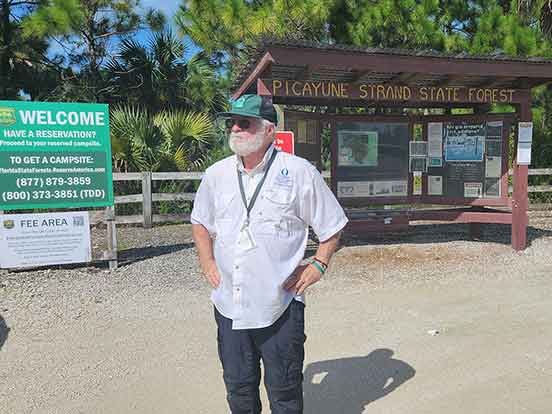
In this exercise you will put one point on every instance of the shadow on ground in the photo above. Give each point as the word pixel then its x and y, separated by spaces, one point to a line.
pixel 347 385
pixel 438 233
pixel 138 254
pixel 4 331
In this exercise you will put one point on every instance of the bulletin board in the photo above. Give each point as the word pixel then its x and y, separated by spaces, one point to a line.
pixel 457 160
pixel 467 160
pixel 370 159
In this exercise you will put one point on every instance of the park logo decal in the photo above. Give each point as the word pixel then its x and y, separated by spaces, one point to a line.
pixel 9 224
pixel 7 116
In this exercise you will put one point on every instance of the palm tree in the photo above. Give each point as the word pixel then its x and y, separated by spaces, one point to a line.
pixel 157 76
pixel 172 140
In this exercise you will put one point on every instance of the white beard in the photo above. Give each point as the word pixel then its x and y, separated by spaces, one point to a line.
pixel 244 147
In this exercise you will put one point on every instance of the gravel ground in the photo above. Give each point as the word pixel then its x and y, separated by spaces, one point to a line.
pixel 164 259
pixel 73 305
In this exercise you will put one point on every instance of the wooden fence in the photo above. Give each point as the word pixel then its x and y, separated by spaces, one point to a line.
pixel 147 197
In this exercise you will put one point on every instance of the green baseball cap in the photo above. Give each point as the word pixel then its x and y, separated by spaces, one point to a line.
pixel 255 106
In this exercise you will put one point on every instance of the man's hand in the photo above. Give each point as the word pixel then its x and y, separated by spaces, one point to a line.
pixel 302 278
pixel 204 247
pixel 211 273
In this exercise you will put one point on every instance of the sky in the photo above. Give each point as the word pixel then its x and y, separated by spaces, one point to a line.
pixel 169 8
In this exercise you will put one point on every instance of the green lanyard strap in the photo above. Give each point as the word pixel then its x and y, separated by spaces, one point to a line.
pixel 249 207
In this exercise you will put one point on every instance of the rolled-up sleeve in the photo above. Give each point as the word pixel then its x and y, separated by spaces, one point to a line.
pixel 320 209
pixel 204 211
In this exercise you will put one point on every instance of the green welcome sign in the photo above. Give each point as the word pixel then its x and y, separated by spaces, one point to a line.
pixel 54 155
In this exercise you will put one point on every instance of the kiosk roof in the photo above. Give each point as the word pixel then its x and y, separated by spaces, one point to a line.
pixel 301 60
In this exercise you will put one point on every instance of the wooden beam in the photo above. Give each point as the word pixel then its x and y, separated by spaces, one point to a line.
pixel 482 108
pixel 448 80
pixel 491 82
pixel 263 64
pixel 404 78
pixel 303 72
pixel 156 176
pixel 127 176
pixel 359 74
pixel 389 63
pixel 262 88
pixel 285 90
pixel 520 198
pixel 498 81
pixel 111 237
pixel 462 216
pixel 523 83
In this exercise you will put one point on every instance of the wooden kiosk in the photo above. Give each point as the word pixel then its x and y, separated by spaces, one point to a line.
pixel 391 154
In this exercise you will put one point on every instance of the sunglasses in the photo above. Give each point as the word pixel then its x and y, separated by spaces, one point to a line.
pixel 242 123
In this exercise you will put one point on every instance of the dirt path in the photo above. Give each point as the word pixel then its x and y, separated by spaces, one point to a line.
pixel 137 342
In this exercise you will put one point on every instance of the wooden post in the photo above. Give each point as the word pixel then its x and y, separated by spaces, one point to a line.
pixel 519 197
pixel 146 199
pixel 111 237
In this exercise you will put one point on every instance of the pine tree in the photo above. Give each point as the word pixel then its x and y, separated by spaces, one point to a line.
pixel 226 29
pixel 24 66
pixel 85 30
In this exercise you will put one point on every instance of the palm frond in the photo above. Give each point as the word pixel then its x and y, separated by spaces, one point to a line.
pixel 136 140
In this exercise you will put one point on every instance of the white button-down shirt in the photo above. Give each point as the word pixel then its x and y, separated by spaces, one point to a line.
pixel 294 196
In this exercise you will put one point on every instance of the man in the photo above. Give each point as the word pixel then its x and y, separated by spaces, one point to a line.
pixel 258 205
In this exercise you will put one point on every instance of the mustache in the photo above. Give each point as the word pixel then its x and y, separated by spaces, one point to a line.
pixel 236 135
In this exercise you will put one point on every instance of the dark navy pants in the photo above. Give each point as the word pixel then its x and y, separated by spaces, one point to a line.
pixel 280 347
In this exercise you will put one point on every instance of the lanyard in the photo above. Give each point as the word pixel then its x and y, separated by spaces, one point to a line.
pixel 249 207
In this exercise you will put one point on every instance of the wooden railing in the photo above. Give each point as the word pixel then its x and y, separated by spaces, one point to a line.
pixel 147 197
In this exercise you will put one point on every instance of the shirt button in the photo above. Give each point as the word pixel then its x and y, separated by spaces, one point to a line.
pixel 237 289
pixel 236 267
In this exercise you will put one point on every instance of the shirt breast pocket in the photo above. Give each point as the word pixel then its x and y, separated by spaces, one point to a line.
pixel 276 208
pixel 223 216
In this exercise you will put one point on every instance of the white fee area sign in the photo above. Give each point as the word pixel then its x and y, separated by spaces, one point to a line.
pixel 28 240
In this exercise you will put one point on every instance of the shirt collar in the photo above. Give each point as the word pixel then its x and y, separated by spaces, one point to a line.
pixel 260 167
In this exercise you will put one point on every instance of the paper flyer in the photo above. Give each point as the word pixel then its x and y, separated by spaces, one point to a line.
pixel 524 153
pixel 435 185
pixel 473 190
pixel 435 139
pixel 493 166
pixel 357 148
pixel 417 183
pixel 525 133
pixel 347 189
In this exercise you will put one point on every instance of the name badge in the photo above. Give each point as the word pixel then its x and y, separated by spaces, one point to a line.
pixel 246 240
